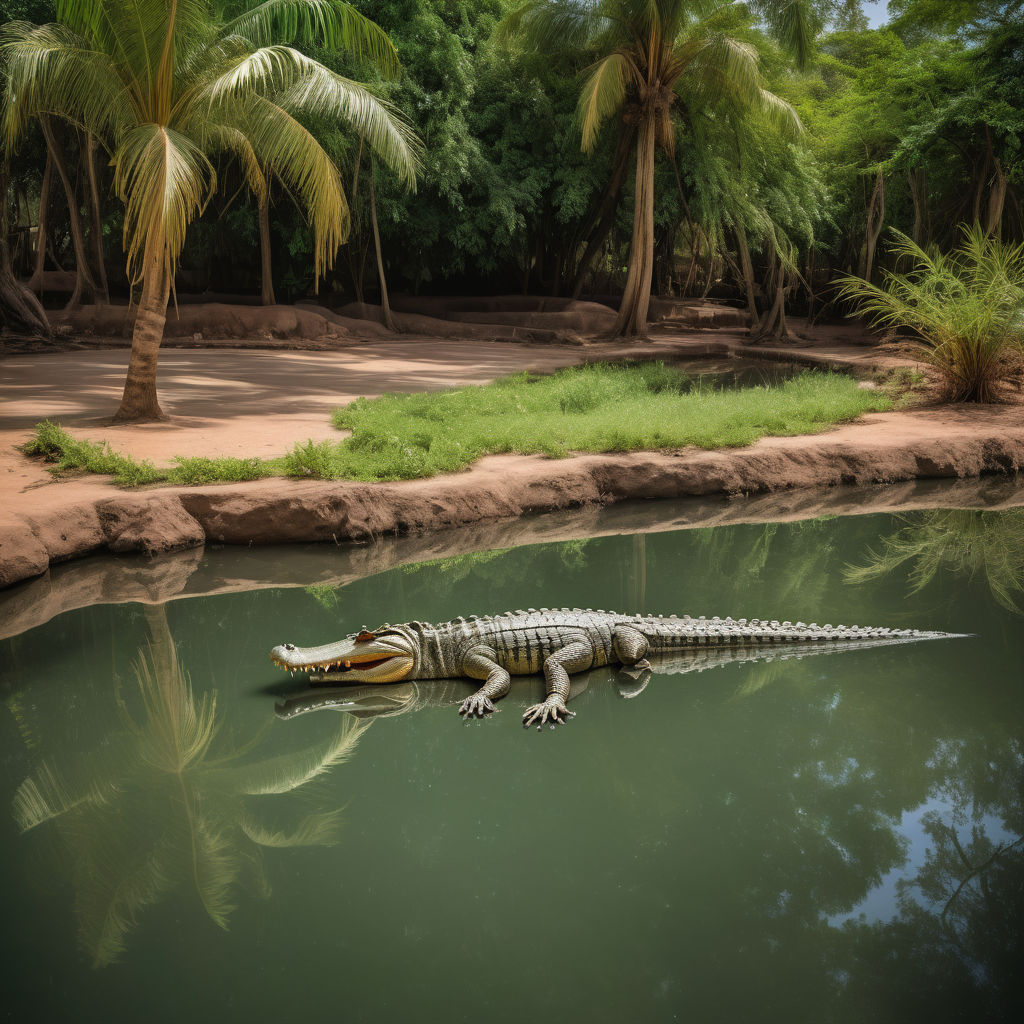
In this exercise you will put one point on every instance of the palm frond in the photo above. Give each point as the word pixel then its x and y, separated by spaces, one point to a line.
pixel 288 772
pixel 51 70
pixel 314 830
pixel 603 92
pixel 179 728
pixel 216 869
pixel 321 92
pixel 554 26
pixel 165 180
pixel 331 23
pixel 793 23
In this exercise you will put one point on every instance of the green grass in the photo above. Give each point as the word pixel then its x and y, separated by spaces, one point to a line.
pixel 601 408
pixel 68 454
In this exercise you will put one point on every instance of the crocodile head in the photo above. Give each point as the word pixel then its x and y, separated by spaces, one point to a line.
pixel 384 655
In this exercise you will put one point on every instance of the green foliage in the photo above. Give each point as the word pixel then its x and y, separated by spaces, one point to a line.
pixel 170 88
pixel 965 308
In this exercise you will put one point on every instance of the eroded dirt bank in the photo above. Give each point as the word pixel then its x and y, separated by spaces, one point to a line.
pixel 949 442
pixel 196 572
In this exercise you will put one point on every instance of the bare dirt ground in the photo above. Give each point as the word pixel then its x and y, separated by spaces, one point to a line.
pixel 248 402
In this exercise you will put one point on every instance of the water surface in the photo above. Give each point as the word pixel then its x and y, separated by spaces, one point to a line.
pixel 836 838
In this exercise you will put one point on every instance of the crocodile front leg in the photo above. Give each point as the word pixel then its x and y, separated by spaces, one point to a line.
pixel 575 657
pixel 480 664
pixel 631 647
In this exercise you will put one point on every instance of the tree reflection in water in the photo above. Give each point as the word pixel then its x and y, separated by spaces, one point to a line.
pixel 965 542
pixel 167 799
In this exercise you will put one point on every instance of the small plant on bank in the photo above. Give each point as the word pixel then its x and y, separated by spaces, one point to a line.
pixel 69 454
pixel 965 309
pixel 196 470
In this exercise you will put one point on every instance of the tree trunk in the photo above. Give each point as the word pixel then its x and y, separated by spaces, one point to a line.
pixel 919 196
pixel 266 266
pixel 385 304
pixel 103 292
pixel 84 282
pixel 636 297
pixel 35 282
pixel 996 201
pixel 20 311
pixel 979 191
pixel 606 215
pixel 747 267
pixel 876 216
pixel 139 401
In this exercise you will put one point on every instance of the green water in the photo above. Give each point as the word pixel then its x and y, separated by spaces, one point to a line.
pixel 836 838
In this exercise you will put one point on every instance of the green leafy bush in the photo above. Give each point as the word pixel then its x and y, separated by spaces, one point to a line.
pixel 965 308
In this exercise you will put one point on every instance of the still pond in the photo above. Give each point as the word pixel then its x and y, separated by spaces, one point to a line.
pixel 832 838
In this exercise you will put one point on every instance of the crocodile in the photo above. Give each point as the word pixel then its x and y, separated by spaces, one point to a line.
pixel 557 642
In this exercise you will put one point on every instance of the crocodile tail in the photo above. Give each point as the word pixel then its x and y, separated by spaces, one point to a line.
pixel 674 633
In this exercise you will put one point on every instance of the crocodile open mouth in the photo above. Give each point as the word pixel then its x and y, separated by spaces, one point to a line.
pixel 343 665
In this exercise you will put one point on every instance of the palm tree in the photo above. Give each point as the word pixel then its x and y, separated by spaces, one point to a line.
pixel 645 52
pixel 170 85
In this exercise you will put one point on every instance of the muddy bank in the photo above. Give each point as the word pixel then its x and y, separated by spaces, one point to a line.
pixel 198 572
pixel 949 442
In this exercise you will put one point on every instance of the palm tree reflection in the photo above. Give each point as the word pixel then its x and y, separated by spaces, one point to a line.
pixel 965 542
pixel 168 799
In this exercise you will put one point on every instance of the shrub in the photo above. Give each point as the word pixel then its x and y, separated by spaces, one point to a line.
pixel 965 308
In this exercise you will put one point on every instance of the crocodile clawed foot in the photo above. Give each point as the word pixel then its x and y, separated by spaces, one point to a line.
pixel 477 707
pixel 554 710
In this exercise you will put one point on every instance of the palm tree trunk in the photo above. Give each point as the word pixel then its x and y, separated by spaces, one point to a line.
pixel 103 293
pixel 636 297
pixel 747 267
pixel 385 304
pixel 139 401
pixel 35 282
pixel 84 282
pixel 266 265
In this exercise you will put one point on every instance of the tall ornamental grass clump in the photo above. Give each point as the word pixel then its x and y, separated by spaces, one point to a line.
pixel 966 309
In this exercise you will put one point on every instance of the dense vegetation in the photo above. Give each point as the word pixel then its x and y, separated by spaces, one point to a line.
pixel 599 408
pixel 774 144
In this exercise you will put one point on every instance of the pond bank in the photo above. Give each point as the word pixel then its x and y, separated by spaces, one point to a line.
pixel 82 517
pixel 202 572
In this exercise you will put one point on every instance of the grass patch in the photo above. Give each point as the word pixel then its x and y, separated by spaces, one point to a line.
pixel 600 408
pixel 70 455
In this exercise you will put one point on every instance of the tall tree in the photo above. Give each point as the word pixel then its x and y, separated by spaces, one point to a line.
pixel 644 52
pixel 168 85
